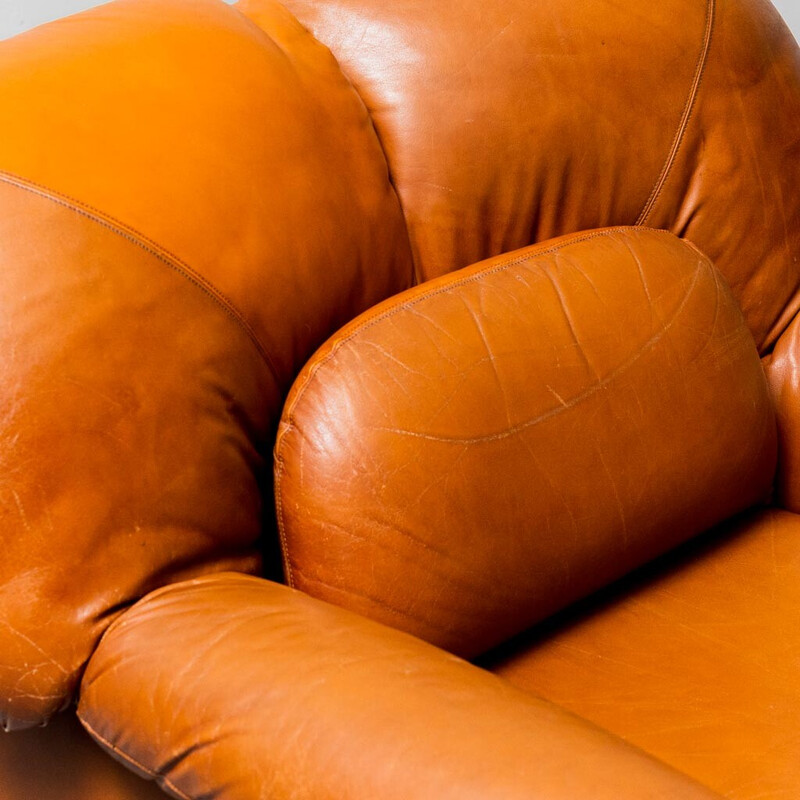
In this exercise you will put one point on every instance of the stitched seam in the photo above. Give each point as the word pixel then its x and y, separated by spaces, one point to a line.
pixel 162 779
pixel 287 564
pixel 688 111
pixel 571 402
pixel 369 321
pixel 141 241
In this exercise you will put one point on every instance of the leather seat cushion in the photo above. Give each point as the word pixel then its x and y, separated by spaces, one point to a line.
pixel 695 659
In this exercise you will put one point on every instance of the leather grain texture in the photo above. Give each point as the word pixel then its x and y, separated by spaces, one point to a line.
pixel 474 454
pixel 782 367
pixel 134 417
pixel 189 205
pixel 732 187
pixel 254 690
pixel 513 122
pixel 194 197
pixel 695 660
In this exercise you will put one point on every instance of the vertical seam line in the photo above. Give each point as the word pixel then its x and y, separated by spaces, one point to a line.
pixel 686 117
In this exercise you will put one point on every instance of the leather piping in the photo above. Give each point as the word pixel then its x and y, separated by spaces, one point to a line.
pixel 688 110
pixel 149 246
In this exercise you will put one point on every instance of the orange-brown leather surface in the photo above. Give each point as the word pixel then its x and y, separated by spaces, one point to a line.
pixel 507 123
pixel 695 660
pixel 476 453
pixel 243 152
pixel 235 688
pixel 188 208
pixel 134 416
pixel 782 367
pixel 61 762
pixel 732 186
pixel 194 198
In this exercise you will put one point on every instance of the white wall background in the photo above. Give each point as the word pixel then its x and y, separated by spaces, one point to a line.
pixel 18 15
pixel 791 13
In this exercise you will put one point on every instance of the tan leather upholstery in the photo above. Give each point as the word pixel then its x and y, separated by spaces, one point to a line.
pixel 782 367
pixel 148 331
pixel 474 454
pixel 573 230
pixel 507 123
pixel 695 660
pixel 495 137
pixel 102 505
pixel 283 696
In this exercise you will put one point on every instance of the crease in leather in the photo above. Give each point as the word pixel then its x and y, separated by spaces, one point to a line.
pixel 565 405
pixel 416 275
pixel 393 609
pixel 375 650
pixel 790 312
pixel 425 546
pixel 369 320
pixel 686 117
pixel 152 248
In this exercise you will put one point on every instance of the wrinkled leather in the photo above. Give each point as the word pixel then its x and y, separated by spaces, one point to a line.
pixel 782 367
pixel 131 437
pixel 194 196
pixel 732 186
pixel 508 123
pixel 156 302
pixel 283 696
pixel 695 661
pixel 474 454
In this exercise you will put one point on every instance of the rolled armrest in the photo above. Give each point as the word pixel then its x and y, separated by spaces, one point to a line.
pixel 235 688
pixel 476 453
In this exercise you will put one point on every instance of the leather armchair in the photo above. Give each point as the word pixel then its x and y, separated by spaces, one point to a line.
pixel 510 289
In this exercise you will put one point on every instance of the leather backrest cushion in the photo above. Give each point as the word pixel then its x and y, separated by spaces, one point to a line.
pixel 508 123
pixel 189 205
pixel 478 452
